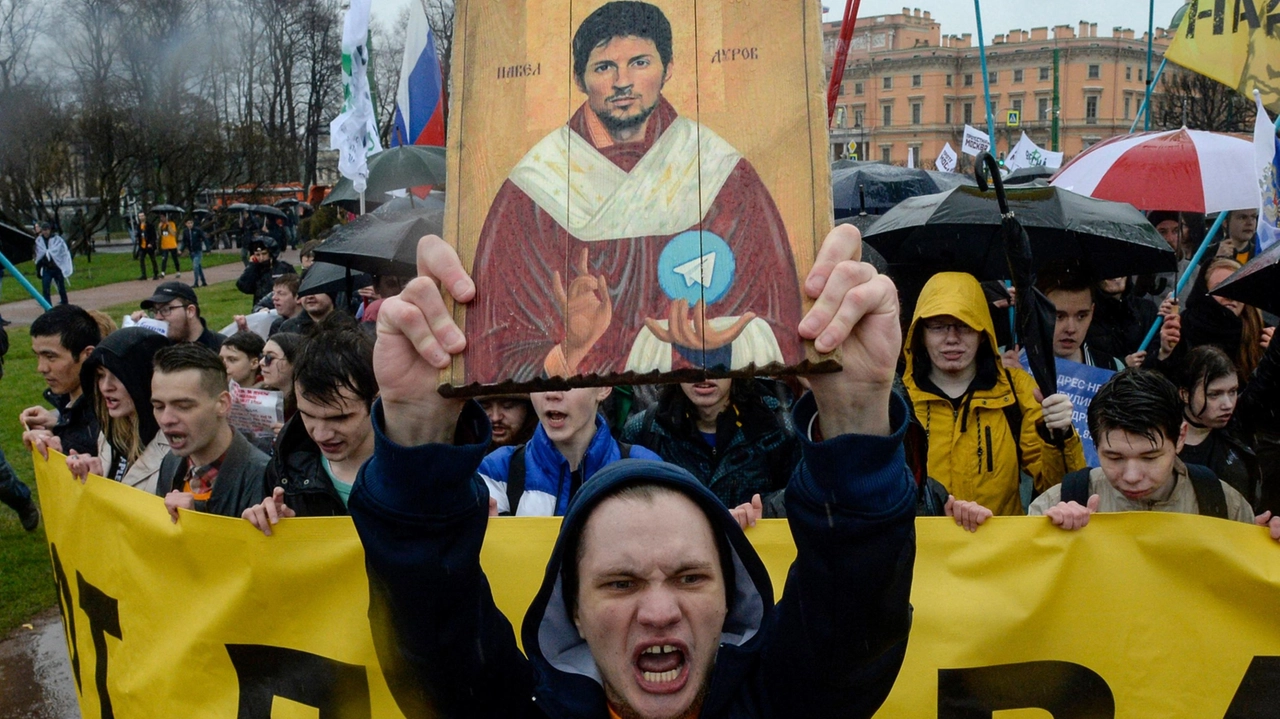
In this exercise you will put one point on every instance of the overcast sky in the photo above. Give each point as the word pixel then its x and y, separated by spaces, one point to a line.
pixel 998 16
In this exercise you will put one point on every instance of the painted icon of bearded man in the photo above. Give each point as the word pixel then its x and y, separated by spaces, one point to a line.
pixel 661 250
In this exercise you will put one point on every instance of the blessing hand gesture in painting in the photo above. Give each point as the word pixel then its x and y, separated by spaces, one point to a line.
pixel 588 311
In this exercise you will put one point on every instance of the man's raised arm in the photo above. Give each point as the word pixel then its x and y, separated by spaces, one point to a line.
pixel 840 631
pixel 421 513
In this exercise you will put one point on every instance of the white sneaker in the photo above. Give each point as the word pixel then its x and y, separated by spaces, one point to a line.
pixel 177 275
pixel 161 275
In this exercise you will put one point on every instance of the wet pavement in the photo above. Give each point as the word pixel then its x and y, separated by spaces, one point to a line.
pixel 35 674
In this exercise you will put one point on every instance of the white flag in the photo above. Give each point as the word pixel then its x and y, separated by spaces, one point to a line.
pixel 1267 167
pixel 1028 154
pixel 911 157
pixel 354 133
pixel 947 159
pixel 975 141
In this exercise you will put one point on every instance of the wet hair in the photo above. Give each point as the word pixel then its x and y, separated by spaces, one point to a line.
pixel 575 549
pixel 334 360
pixel 246 341
pixel 194 356
pixel 1138 401
pixel 624 18
pixel 1203 365
pixel 289 281
pixel 74 326
pixel 1063 277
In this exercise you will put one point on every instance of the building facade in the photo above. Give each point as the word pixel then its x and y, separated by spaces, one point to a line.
pixel 908 86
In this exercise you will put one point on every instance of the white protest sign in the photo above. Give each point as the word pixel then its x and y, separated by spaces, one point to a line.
pixel 911 157
pixel 975 141
pixel 255 410
pixel 1028 154
pixel 947 159
pixel 160 327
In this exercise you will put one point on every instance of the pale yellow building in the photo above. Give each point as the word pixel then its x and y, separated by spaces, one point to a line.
pixel 906 85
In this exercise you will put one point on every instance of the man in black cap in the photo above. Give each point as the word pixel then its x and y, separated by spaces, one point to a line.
pixel 263 270
pixel 176 303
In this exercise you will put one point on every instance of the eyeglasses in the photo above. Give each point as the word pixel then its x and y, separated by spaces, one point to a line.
pixel 164 311
pixel 265 359
pixel 943 329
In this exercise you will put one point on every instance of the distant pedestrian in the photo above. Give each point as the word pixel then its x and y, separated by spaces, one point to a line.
pixel 53 261
pixel 144 246
pixel 168 233
pixel 193 241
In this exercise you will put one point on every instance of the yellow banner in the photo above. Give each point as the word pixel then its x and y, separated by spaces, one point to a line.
pixel 1137 616
pixel 1236 43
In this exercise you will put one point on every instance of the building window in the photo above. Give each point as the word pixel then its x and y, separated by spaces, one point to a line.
pixel 857 118
pixel 857 88
pixel 1091 110
pixel 916 81
pixel 948 111
pixel 886 115
pixel 1139 74
pixel 1017 76
pixel 1126 106
pixel 1044 74
pixel 993 76
pixel 888 82
pixel 968 79
pixel 948 79
pixel 968 113
pixel 1095 72
pixel 1128 72
pixel 886 154
pixel 917 110
pixel 1016 104
pixel 1042 113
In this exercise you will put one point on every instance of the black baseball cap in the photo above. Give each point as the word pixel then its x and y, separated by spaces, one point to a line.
pixel 170 291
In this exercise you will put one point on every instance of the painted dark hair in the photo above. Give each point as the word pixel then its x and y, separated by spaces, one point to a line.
pixel 625 18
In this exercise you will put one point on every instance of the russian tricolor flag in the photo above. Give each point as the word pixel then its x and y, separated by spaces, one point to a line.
pixel 419 116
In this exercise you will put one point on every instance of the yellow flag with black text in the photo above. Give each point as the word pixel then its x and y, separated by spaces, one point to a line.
pixel 1136 616
pixel 1236 43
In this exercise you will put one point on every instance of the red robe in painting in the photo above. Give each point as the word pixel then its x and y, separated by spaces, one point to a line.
pixel 515 320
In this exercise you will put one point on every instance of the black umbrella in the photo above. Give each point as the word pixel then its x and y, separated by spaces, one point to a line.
pixel 864 221
pixel 1256 283
pixel 268 210
pixel 166 208
pixel 238 207
pixel 406 166
pixel 286 202
pixel 381 243
pixel 202 211
pixel 960 230
pixel 396 205
pixel 344 195
pixel 1026 175
pixel 18 245
pixel 884 186
pixel 326 278
pixel 1036 315
pixel 949 180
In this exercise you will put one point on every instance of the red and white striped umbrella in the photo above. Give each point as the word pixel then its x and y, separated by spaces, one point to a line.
pixel 1179 170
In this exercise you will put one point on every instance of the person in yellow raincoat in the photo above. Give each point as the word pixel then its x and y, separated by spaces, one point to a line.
pixel 983 421
pixel 168 232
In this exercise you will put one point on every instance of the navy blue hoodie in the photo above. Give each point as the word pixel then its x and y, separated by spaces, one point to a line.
pixel 831 648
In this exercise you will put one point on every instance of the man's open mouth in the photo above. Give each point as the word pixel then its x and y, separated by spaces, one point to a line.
pixel 662 668
pixel 555 418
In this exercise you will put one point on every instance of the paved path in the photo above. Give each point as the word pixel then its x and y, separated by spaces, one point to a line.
pixel 35 673
pixel 22 313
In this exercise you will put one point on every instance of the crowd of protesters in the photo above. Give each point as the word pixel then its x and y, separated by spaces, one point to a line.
pixel 1191 426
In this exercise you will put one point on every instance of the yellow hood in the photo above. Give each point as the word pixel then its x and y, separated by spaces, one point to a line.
pixel 958 295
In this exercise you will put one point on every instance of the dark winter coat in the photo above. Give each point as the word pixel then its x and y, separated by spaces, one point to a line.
pixel 237 485
pixel 296 467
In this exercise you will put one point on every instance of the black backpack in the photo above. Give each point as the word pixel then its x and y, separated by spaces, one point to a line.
pixel 1210 497
pixel 516 471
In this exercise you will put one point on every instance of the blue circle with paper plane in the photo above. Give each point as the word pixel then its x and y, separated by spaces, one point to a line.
pixel 696 265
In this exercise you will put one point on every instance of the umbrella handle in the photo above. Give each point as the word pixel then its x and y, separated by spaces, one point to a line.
pixel 987 172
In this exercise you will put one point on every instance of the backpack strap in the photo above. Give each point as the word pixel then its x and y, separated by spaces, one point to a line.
pixel 1210 496
pixel 1075 487
pixel 515 481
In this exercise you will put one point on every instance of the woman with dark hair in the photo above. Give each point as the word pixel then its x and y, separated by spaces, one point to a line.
pixel 1218 421
pixel 116 380
pixel 276 366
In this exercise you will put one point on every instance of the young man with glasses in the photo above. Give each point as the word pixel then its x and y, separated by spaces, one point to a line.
pixel 176 303
pixel 984 423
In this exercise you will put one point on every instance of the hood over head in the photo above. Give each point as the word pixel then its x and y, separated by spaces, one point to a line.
pixel 128 354
pixel 955 294
pixel 565 670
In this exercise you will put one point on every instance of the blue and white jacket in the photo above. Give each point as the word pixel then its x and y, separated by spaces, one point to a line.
pixel 547 477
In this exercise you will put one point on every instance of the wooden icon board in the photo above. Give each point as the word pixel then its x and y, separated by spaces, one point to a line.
pixel 637 188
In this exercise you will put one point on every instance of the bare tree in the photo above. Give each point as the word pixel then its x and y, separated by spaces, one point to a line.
pixel 388 56
pixel 1189 99
pixel 20 24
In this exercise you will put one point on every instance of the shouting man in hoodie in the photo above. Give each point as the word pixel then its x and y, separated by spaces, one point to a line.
pixel 654 604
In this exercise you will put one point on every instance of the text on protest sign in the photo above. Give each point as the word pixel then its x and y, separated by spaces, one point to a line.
pixel 1079 382
pixel 975 141
pixel 256 410
pixel 990 609
pixel 947 159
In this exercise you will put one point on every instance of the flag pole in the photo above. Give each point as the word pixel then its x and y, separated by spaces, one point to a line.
pixel 986 77
pixel 1151 35
pixel 842 56
pixel 1145 110
pixel 1182 281
pixel 22 280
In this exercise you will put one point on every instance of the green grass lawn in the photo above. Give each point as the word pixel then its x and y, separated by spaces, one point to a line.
pixel 105 269
pixel 26 581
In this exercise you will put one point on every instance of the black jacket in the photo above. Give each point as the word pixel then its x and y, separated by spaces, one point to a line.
pixel 259 278
pixel 295 466
pixel 77 425
pixel 128 354
pixel 832 647
pixel 238 482
pixel 1119 325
